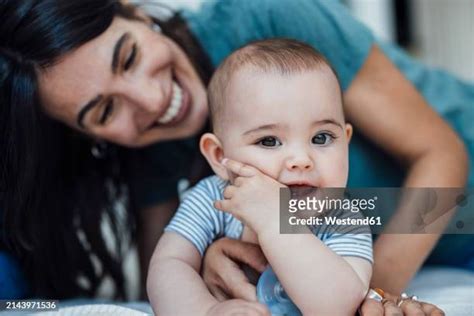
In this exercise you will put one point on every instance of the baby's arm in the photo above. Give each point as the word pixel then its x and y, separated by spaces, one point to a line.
pixel 174 285
pixel 319 281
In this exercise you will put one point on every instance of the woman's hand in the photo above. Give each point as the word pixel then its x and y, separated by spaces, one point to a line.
pixel 388 306
pixel 253 197
pixel 221 271
pixel 238 307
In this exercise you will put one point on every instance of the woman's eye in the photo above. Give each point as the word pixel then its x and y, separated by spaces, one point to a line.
pixel 108 109
pixel 131 58
pixel 322 139
pixel 269 142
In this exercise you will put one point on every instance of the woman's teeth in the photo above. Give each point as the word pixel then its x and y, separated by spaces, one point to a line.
pixel 175 106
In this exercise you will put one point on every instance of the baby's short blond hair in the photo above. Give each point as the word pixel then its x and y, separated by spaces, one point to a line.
pixel 281 55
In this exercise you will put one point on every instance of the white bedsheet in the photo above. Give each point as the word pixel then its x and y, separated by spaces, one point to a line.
pixel 450 289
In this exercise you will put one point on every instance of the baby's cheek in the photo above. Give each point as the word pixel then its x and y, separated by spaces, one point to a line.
pixel 270 170
pixel 343 173
pixel 267 161
pixel 335 173
pixel 264 163
pixel 267 166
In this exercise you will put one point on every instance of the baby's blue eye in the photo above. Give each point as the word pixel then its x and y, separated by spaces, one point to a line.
pixel 269 141
pixel 322 139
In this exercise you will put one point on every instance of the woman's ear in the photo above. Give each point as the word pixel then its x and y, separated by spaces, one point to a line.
pixel 211 148
pixel 349 131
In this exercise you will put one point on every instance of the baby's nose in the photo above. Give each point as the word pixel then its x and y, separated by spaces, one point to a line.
pixel 302 162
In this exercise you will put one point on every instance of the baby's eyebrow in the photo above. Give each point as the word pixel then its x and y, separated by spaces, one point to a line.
pixel 328 121
pixel 262 128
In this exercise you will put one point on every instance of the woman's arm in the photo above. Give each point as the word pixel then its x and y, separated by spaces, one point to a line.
pixel 404 125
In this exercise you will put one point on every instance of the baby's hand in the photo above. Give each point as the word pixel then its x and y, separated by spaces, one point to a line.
pixel 238 307
pixel 253 197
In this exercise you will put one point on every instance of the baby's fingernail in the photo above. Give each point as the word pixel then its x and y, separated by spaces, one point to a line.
pixel 224 161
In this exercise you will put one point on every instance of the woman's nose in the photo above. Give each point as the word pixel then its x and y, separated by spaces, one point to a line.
pixel 146 99
pixel 149 97
pixel 300 161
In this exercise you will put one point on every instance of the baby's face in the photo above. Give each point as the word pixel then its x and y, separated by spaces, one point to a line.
pixel 291 127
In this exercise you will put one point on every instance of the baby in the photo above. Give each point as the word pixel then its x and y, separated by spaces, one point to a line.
pixel 278 120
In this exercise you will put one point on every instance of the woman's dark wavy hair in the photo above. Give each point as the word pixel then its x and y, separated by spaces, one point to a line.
pixel 52 191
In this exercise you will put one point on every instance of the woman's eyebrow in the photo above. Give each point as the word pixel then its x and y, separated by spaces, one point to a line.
pixel 86 108
pixel 117 48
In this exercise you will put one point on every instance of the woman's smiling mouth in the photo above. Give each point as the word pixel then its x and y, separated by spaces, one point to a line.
pixel 175 105
pixel 178 108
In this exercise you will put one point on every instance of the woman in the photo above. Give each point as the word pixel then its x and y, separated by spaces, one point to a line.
pixel 97 106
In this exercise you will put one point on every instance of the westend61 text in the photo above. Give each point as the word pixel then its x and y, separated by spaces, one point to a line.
pixel 315 221
pixel 320 205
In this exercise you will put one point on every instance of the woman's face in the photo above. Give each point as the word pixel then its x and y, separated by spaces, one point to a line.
pixel 131 86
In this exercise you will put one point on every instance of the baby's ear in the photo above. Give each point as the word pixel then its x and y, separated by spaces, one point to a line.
pixel 211 148
pixel 349 132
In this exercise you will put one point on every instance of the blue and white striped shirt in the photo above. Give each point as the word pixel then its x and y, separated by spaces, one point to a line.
pixel 201 223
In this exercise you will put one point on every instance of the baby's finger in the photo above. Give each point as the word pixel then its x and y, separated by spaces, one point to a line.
pixel 239 181
pixel 229 191
pixel 223 205
pixel 239 168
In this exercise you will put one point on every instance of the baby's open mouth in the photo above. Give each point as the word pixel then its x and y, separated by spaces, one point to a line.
pixel 301 191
